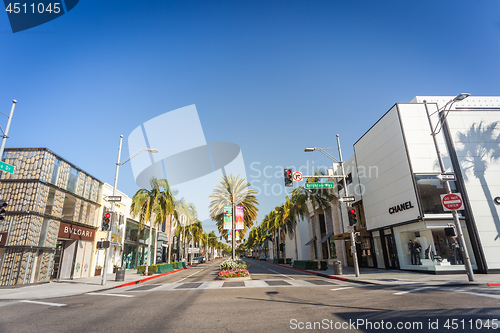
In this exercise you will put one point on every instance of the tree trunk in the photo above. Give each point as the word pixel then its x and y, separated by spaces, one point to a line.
pixel 149 249
pixel 314 234
pixel 296 249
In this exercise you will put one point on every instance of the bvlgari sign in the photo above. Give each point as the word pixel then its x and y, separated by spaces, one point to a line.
pixel 72 231
pixel 404 206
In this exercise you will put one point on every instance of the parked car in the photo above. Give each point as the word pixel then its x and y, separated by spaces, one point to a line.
pixel 202 259
pixel 195 261
pixel 262 257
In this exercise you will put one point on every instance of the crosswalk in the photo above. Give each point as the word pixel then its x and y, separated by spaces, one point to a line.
pixel 220 284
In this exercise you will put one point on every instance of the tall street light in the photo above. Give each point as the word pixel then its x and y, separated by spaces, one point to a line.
pixel 108 250
pixel 339 161
pixel 6 133
pixel 434 131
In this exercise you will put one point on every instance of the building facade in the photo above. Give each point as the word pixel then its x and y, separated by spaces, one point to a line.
pixel 51 219
pixel 398 191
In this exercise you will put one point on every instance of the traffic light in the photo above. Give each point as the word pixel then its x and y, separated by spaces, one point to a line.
pixel 3 204
pixel 288 178
pixel 106 221
pixel 352 216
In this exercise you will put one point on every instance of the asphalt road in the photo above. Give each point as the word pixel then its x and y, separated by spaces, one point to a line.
pixel 276 300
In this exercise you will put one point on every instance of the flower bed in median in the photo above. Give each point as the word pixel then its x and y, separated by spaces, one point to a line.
pixel 233 274
pixel 233 269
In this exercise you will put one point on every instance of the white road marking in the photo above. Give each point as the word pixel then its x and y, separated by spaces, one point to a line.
pixel 189 276
pixel 281 274
pixel 122 295
pixel 365 285
pixel 476 294
pixel 413 290
pixel 43 303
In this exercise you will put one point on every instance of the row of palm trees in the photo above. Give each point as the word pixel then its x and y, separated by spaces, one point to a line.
pixel 283 219
pixel 158 204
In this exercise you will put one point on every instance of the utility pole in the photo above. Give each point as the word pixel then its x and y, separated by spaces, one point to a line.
pixel 6 133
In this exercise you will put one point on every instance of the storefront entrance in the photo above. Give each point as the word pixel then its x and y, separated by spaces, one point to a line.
pixel 389 248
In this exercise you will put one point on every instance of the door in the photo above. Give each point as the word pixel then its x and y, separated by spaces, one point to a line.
pixel 390 252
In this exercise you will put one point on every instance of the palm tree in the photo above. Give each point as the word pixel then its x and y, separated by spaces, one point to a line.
pixel 479 153
pixel 152 206
pixel 320 198
pixel 189 211
pixel 233 191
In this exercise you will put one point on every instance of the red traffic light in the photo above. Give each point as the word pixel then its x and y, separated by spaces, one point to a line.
pixel 352 211
pixel 288 171
pixel 107 215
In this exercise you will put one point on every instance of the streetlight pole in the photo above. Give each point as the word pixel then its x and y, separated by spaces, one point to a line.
pixel 351 229
pixel 6 133
pixel 456 220
pixel 108 250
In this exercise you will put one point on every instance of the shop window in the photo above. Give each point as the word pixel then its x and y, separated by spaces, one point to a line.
pixel 55 173
pixel 430 189
pixel 43 232
pixel 50 201
pixel 68 207
pixel 431 247
pixel 73 180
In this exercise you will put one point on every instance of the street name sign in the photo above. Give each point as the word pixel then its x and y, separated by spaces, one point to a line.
pixel 7 167
pixel 297 176
pixel 113 198
pixel 347 199
pixel 452 201
pixel 447 177
pixel 320 185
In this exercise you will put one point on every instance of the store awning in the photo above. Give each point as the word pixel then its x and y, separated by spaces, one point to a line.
pixel 312 240
pixel 326 237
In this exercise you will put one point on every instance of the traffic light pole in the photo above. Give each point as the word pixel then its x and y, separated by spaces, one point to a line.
pixel 108 250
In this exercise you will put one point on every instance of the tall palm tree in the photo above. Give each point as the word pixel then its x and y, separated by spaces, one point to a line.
pixel 479 153
pixel 233 191
pixel 152 205
pixel 191 217
pixel 319 198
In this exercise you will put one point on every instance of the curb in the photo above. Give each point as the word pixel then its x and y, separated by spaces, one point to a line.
pixel 148 278
pixel 453 284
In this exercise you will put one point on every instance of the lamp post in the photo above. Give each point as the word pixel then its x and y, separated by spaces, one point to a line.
pixel 108 250
pixel 6 133
pixel 434 131
pixel 339 161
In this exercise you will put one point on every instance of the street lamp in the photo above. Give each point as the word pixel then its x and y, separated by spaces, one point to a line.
pixel 6 133
pixel 150 150
pixel 339 161
pixel 434 132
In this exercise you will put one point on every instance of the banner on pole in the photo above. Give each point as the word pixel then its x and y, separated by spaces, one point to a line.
pixel 228 213
pixel 229 234
pixel 240 225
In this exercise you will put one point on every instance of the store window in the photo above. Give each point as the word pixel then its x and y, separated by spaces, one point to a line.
pixel 430 189
pixel 50 201
pixel 73 180
pixel 55 173
pixel 432 247
pixel 333 250
pixel 68 208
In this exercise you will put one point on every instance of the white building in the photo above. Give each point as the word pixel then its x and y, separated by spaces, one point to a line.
pixel 394 179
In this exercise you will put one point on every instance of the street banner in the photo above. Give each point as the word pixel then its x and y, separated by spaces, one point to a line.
pixel 228 214
pixel 229 235
pixel 240 225
pixel 237 235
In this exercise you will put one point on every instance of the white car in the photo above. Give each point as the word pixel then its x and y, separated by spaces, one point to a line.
pixel 195 261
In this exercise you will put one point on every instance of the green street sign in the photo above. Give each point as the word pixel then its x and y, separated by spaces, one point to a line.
pixel 6 167
pixel 320 185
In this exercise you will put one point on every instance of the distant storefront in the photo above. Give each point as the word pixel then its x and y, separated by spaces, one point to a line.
pixel 51 218
pixel 135 250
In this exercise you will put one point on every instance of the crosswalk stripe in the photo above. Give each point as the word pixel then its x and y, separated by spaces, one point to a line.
pixel 43 303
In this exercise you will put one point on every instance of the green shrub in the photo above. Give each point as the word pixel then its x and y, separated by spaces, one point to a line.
pixel 151 268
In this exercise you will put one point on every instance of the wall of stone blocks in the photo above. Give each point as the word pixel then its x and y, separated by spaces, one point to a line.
pixel 27 163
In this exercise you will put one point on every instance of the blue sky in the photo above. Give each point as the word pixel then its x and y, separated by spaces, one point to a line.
pixel 273 77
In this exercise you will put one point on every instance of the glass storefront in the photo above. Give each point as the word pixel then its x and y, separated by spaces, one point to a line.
pixel 431 246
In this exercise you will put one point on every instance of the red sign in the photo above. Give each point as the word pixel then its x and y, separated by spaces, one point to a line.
pixel 72 231
pixel 297 176
pixel 452 202
pixel 3 238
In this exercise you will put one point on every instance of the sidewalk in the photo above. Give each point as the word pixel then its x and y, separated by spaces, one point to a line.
pixel 392 277
pixel 74 287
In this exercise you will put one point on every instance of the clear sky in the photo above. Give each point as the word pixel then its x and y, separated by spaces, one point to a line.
pixel 273 77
